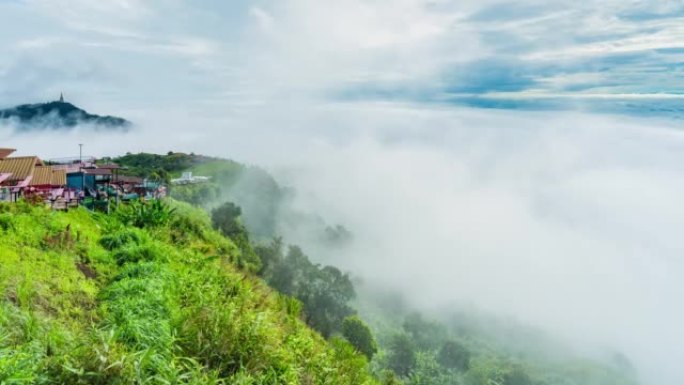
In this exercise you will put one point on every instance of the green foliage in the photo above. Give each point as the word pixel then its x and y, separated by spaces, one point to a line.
pixel 359 335
pixel 139 253
pixel 157 167
pixel 488 370
pixel 324 291
pixel 202 194
pixel 154 295
pixel 6 222
pixel 162 309
pixel 453 355
pixel 390 378
pixel 252 188
pixel 146 214
pixel 120 238
pixel 402 355
pixel 428 371
pixel 226 219
pixel 425 334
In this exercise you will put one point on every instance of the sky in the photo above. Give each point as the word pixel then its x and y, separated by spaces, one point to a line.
pixel 525 157
pixel 620 55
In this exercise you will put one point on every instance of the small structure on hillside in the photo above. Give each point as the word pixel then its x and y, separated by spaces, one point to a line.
pixel 4 176
pixel 17 173
pixel 70 182
pixel 48 182
pixel 188 178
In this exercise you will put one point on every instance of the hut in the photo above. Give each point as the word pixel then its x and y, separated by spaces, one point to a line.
pixel 17 174
pixel 48 182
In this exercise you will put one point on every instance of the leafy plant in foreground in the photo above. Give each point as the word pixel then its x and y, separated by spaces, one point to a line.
pixel 143 214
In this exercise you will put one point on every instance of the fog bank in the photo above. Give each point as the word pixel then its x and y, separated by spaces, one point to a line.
pixel 569 222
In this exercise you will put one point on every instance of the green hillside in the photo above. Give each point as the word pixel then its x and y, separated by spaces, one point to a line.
pixel 206 291
pixel 92 299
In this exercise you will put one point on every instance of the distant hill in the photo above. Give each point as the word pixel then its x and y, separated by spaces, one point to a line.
pixel 58 115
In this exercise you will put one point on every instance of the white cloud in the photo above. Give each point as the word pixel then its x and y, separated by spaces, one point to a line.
pixel 566 221
pixel 672 37
pixel 263 18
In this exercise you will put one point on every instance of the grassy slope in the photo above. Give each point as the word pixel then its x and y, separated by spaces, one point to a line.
pixel 496 349
pixel 85 300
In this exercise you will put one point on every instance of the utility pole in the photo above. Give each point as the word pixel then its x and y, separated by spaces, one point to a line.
pixel 80 166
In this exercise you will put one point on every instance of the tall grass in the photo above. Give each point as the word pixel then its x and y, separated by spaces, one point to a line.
pixel 98 301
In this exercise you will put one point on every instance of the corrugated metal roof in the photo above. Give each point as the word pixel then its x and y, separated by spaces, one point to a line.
pixel 48 176
pixel 59 178
pixel 42 176
pixel 20 167
pixel 109 166
pixel 97 171
pixel 129 179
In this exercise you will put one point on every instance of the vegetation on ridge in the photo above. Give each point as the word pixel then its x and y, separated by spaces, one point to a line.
pixel 58 115
pixel 86 299
pixel 170 293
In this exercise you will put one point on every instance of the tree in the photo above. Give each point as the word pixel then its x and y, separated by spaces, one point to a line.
pixel 196 194
pixel 390 378
pixel 325 292
pixel 337 235
pixel 359 335
pixel 271 255
pixel 226 219
pixel 427 335
pixel 517 376
pixel 402 355
pixel 427 371
pixel 453 355
pixel 491 370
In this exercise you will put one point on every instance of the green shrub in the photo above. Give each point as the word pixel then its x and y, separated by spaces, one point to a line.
pixel 139 253
pixel 146 214
pixel 120 239
pixel 324 291
pixel 6 222
pixel 402 355
pixel 359 335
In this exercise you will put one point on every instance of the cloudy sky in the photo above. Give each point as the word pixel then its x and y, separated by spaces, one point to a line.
pixel 124 53
pixel 523 156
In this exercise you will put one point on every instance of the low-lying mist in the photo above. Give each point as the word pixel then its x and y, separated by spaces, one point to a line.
pixel 567 222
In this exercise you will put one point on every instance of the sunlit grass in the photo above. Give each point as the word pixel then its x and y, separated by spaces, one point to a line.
pixel 86 300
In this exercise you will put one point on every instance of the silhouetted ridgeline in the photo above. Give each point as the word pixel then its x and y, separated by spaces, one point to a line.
pixel 58 115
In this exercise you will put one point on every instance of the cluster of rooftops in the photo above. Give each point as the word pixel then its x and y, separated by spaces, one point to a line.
pixel 69 182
